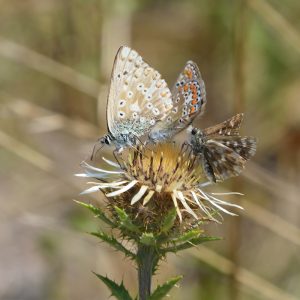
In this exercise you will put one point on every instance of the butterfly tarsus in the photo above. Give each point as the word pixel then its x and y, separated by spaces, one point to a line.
pixel 115 152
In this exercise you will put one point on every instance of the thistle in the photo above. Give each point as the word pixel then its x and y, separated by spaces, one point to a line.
pixel 157 199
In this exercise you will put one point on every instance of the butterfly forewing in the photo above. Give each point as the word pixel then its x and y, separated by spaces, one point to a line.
pixel 138 97
pixel 229 127
pixel 189 100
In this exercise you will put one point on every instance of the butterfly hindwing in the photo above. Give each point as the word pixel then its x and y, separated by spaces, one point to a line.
pixel 223 152
pixel 224 161
pixel 138 96
pixel 243 146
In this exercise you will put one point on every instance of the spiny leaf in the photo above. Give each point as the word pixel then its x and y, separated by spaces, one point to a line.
pixel 162 290
pixel 126 221
pixel 97 212
pixel 192 234
pixel 117 290
pixel 169 221
pixel 148 239
pixel 155 264
pixel 191 243
pixel 114 243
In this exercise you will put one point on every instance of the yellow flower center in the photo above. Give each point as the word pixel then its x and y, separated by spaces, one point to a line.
pixel 163 167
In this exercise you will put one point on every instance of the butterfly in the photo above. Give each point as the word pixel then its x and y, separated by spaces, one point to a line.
pixel 222 150
pixel 138 98
pixel 189 100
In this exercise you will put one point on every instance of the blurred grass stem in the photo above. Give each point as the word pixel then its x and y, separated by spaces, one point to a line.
pixel 239 47
pixel 41 63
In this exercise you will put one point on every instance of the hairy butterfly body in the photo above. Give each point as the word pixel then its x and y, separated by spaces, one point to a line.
pixel 222 150
pixel 189 100
pixel 138 98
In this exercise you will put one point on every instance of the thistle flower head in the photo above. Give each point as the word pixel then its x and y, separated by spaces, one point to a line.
pixel 148 182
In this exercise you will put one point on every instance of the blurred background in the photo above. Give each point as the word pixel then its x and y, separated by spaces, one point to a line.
pixel 56 57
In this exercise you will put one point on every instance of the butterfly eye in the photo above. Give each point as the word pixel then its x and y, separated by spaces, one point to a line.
pixel 194 131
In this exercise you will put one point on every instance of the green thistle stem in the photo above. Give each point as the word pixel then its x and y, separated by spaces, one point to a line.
pixel 146 261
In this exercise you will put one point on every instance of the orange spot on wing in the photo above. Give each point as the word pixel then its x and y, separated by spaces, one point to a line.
pixel 194 101
pixel 186 88
pixel 192 110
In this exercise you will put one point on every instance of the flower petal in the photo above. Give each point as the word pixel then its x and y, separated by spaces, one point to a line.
pixel 207 183
pixel 87 166
pixel 222 208
pixel 92 189
pixel 203 208
pixel 224 202
pixel 228 193
pixel 123 189
pixel 109 162
pixel 176 206
pixel 139 194
pixel 182 200
pixel 81 175
pixel 148 197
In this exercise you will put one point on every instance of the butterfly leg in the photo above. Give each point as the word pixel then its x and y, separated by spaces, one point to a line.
pixel 142 144
pixel 94 153
pixel 116 153
pixel 184 148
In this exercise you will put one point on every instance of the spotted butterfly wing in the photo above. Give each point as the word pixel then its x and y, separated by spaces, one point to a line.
pixel 189 100
pixel 226 161
pixel 138 98
pixel 223 151
pixel 229 127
